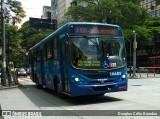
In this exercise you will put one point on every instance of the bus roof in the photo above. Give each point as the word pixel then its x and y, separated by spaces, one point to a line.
pixel 94 23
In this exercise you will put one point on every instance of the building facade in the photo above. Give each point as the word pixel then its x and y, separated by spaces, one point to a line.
pixel 46 12
pixel 152 7
pixel 59 8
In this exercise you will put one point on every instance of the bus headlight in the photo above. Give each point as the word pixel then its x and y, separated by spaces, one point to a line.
pixel 79 81
pixel 123 77
pixel 76 79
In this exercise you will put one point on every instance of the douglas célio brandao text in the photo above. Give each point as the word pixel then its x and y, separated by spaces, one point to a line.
pixel 136 113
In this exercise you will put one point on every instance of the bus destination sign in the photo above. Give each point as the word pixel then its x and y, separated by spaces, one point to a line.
pixel 95 30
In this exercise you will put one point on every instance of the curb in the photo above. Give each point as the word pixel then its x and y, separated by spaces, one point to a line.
pixel 145 78
pixel 8 87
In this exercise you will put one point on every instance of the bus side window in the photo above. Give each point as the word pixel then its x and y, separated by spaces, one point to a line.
pixel 37 55
pixel 34 56
pixel 29 57
pixel 45 52
pixel 49 50
pixel 55 52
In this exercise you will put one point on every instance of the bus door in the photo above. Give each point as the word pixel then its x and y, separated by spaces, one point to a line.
pixel 65 64
pixel 48 65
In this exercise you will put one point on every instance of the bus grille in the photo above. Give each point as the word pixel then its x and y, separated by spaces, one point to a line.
pixel 97 76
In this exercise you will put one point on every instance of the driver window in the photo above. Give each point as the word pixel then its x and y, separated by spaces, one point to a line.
pixel 115 48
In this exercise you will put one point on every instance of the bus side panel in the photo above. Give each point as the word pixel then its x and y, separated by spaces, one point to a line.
pixel 38 73
pixel 42 72
pixel 31 66
pixel 46 73
pixel 41 67
pixel 33 71
pixel 49 72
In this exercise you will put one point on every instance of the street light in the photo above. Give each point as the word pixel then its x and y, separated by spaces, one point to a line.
pixel 134 55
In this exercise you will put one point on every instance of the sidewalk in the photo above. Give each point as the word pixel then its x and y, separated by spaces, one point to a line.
pixel 7 86
pixel 145 76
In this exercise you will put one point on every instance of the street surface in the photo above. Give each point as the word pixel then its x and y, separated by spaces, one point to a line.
pixel 143 94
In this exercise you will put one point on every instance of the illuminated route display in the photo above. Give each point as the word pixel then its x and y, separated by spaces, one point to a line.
pixel 95 30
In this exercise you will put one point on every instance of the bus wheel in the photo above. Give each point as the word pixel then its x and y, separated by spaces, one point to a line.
pixel 59 89
pixel 38 86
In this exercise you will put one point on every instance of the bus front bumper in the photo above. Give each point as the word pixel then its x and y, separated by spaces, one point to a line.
pixel 80 90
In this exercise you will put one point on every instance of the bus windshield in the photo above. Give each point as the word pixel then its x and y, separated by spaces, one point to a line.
pixel 97 52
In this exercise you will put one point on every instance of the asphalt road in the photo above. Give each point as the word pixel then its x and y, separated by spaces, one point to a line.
pixel 143 94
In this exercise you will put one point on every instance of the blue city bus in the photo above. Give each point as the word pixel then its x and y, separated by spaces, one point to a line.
pixel 81 58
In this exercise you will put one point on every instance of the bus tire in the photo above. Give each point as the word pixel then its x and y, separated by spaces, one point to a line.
pixel 59 89
pixel 38 86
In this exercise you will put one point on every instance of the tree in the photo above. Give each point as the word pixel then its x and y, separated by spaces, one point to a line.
pixel 30 36
pixel 127 14
pixel 14 11
pixel 93 11
pixel 144 37
pixel 13 46
pixel 89 1
pixel 72 13
pixel 134 1
pixel 153 24
pixel 13 14
pixel 131 14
